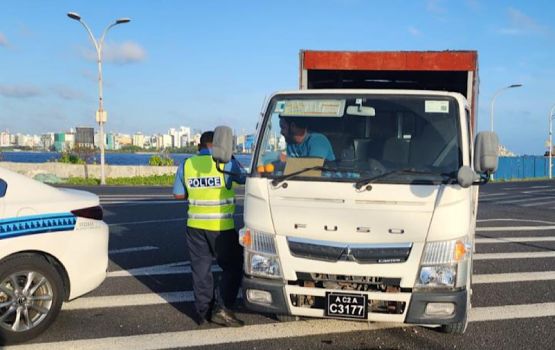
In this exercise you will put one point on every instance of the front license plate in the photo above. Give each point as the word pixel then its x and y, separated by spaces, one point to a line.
pixel 345 305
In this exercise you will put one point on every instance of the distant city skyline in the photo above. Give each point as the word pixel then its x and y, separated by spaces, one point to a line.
pixel 208 63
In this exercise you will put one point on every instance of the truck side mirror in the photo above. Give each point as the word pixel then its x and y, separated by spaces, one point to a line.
pixel 486 148
pixel 466 176
pixel 222 144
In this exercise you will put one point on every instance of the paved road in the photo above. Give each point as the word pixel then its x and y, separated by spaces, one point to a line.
pixel 145 303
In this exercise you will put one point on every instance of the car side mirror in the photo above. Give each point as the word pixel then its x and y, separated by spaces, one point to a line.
pixel 486 148
pixel 222 144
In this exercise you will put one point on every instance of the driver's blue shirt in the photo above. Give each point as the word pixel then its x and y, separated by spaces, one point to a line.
pixel 314 145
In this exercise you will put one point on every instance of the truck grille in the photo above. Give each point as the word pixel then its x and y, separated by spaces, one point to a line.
pixel 361 253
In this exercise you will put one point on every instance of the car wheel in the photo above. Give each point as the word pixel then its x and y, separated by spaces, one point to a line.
pixel 31 295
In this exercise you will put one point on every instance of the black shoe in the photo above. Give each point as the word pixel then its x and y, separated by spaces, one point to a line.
pixel 225 318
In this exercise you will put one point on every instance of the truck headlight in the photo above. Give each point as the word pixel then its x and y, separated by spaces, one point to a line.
pixel 444 265
pixel 261 257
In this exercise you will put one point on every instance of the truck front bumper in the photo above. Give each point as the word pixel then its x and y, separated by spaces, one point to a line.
pixel 419 302
pixel 416 312
pixel 276 289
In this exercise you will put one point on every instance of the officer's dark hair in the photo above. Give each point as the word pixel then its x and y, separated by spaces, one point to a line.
pixel 206 138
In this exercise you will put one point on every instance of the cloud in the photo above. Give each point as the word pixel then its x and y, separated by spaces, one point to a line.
pixel 19 91
pixel 3 40
pixel 414 31
pixel 67 93
pixel 521 24
pixel 124 53
pixel 436 6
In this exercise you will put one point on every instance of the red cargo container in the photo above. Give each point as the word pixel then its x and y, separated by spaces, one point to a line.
pixel 453 71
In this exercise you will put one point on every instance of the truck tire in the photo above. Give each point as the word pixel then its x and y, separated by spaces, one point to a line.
pixel 460 327
pixel 287 318
pixel 31 295
pixel 455 328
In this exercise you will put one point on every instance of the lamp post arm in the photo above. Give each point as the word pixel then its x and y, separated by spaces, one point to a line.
pixel 493 104
pixel 91 36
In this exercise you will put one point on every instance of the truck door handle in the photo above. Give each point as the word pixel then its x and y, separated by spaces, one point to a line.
pixel 329 228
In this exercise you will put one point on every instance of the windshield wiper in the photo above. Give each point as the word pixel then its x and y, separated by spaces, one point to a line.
pixel 359 184
pixel 282 178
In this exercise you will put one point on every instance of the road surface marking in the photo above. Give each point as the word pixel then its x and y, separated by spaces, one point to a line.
pixel 529 199
pixel 218 336
pixel 535 204
pixel 514 228
pixel 526 255
pixel 156 221
pixel 518 220
pixel 132 250
pixel 513 277
pixel 515 239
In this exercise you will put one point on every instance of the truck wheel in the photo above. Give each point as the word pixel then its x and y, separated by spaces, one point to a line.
pixel 455 328
pixel 287 318
pixel 460 327
pixel 31 295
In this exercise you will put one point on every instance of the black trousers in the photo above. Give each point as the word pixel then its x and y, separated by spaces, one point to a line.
pixel 204 246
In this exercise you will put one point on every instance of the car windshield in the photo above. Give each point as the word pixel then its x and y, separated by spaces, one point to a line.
pixel 354 137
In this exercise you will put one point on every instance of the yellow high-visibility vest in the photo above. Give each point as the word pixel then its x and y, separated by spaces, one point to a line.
pixel 211 204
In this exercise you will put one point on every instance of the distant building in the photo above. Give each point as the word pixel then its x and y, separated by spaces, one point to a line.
pixel 123 140
pixel 139 140
pixel 84 137
pixel 5 139
pixel 59 142
pixel 47 141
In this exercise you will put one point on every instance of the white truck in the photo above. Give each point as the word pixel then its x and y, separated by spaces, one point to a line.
pixel 383 228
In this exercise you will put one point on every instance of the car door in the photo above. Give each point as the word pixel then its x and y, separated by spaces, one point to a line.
pixel 3 189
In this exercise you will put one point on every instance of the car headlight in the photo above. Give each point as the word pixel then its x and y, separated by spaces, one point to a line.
pixel 261 257
pixel 444 265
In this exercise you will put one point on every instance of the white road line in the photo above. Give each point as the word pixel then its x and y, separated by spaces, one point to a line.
pixel 492 194
pixel 515 239
pixel 535 204
pixel 539 191
pixel 132 250
pixel 529 199
pixel 513 277
pixel 146 222
pixel 214 336
pixel 514 228
pixel 111 301
pixel 518 220
pixel 540 187
pixel 509 312
pixel 135 202
pixel 167 269
pixel 155 221
pixel 525 255
pixel 218 336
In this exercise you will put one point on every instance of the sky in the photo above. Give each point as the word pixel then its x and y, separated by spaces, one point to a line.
pixel 206 63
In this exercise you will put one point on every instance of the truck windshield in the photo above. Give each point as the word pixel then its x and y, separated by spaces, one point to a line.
pixel 353 137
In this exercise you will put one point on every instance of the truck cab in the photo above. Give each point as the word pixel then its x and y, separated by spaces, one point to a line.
pixel 361 201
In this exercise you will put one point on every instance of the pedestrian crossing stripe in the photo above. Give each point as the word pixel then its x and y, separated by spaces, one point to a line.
pixel 35 224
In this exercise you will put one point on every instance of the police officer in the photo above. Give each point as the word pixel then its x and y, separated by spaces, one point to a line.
pixel 211 232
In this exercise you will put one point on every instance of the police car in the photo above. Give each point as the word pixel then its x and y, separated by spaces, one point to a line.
pixel 53 248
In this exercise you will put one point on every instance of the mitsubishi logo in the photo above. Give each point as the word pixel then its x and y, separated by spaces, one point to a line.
pixel 347 255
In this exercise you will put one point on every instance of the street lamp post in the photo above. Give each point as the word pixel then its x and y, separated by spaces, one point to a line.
pixel 493 100
pixel 550 141
pixel 101 115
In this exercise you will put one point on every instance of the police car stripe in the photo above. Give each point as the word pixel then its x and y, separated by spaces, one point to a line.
pixel 34 224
